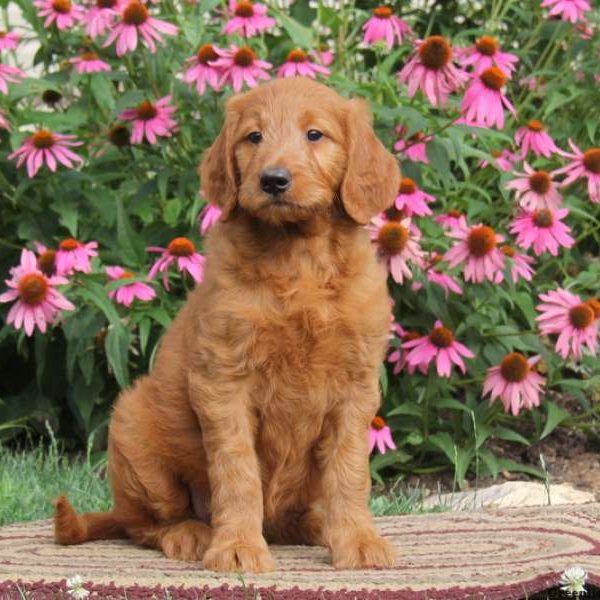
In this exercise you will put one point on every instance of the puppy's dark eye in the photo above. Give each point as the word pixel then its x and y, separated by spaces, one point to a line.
pixel 255 137
pixel 314 135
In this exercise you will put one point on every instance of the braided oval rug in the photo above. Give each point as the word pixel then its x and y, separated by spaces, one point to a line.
pixel 494 555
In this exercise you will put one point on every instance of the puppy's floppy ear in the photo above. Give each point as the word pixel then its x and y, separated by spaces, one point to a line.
pixel 372 177
pixel 218 175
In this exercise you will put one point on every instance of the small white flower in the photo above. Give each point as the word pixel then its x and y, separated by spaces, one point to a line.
pixel 573 580
pixel 75 587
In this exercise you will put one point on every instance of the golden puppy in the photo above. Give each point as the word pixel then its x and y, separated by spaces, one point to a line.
pixel 253 423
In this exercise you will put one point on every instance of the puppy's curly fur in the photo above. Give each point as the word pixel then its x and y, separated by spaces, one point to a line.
pixel 253 423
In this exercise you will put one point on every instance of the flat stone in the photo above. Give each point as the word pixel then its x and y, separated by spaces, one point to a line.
pixel 510 494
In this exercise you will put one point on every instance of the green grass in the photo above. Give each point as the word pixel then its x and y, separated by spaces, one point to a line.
pixel 31 479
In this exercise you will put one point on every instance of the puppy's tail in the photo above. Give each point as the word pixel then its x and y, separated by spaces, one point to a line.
pixel 71 528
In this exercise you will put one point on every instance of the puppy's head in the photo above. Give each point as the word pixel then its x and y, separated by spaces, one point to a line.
pixel 289 149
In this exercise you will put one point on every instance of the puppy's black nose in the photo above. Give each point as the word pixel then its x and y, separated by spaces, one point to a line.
pixel 275 180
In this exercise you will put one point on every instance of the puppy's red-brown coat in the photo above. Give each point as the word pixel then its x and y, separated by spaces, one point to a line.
pixel 253 423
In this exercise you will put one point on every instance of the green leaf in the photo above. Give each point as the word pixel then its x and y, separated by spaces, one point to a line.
pixel 488 458
pixel 556 415
pixel 383 379
pixel 96 293
pixel 406 409
pixel 172 211
pixel 116 346
pixel 301 35
pixel 504 433
pixel 438 157
pixel 103 91
pixel 130 245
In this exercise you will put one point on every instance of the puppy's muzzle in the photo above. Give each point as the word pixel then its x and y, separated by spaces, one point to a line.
pixel 275 180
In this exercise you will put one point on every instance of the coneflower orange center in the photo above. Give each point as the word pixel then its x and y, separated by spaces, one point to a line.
pixel 508 251
pixel 435 259
pixel 33 288
pixel 514 367
pixel 493 78
pixel 594 304
pixel 297 56
pixel 392 238
pixel 42 139
pixel 417 137
pixel 181 246
pixel 441 337
pixel 126 275
pixel 46 262
pixel 69 244
pixel 455 214
pixel 487 45
pixel 535 125
pixel 244 9
pixel 481 241
pixel 407 186
pixel 543 218
pixel 393 214
pixel 89 56
pixel 62 6
pixel 244 57
pixel 3 34
pixel 135 13
pixel 435 52
pixel 591 160
pixel 146 111
pixel 383 12
pixel 377 423
pixel 409 336
pixel 206 53
pixel 105 3
pixel 581 316
pixel 540 181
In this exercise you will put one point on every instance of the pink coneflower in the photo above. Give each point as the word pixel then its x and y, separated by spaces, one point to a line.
pixel 520 265
pixel 534 138
pixel 239 66
pixel 384 25
pixel 575 321
pixel 208 217
pixel 249 18
pixel 135 20
pixel 486 53
pixel 38 302
pixel 89 62
pixel 380 435
pixel 584 164
pixel 182 252
pixel 397 244
pixel 478 249
pixel 62 12
pixel 398 355
pixel 201 70
pixel 73 255
pixel 297 63
pixel 445 281
pixel 542 229
pixel 516 382
pixel 412 200
pixel 413 147
pixel 568 10
pixel 324 55
pixel 503 159
pixel 46 147
pixel 431 70
pixel 535 189
pixel 484 100
pixel 150 120
pixel 440 345
pixel 9 74
pixel 101 16
pixel 9 40
pixel 127 293
pixel 452 219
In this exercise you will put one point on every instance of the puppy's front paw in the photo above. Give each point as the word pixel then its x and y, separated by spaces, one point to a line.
pixel 362 550
pixel 239 555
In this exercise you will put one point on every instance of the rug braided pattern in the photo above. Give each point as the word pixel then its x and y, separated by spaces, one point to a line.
pixel 497 552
